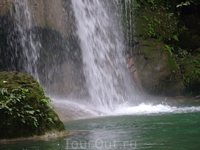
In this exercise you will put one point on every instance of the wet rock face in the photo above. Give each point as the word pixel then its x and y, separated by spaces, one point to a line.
pixel 24 109
pixel 165 42
pixel 5 6
pixel 55 15
pixel 158 71
pixel 46 33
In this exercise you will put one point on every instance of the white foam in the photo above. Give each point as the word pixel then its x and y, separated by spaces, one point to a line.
pixel 81 111
pixel 144 109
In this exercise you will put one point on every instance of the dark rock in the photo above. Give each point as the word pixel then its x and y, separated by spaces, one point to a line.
pixel 197 97
pixel 158 71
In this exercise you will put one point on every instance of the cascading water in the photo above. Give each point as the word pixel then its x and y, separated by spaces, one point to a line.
pixel 102 49
pixel 145 126
pixel 39 47
pixel 36 44
pixel 31 47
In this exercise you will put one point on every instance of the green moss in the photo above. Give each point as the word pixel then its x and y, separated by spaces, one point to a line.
pixel 158 70
pixel 24 109
pixel 161 24
pixel 191 69
pixel 167 34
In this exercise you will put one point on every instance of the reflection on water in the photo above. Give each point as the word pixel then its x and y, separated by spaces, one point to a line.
pixel 48 144
pixel 156 131
pixel 139 131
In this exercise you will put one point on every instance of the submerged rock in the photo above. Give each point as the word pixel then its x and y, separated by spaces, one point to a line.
pixel 24 108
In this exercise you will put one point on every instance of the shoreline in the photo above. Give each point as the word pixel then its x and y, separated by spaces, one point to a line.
pixel 49 135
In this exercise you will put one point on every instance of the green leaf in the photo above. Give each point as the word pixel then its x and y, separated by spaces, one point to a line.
pixel 183 4
pixel 30 112
pixel 35 124
pixel 175 37
pixel 4 91
pixel 50 120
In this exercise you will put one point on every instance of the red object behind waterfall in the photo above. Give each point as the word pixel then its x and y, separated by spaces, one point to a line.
pixel 133 70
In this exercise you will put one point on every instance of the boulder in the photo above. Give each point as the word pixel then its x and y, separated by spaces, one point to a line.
pixel 24 108
pixel 158 71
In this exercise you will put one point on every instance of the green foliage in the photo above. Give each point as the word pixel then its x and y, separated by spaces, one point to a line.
pixel 192 69
pixel 175 37
pixel 14 103
pixel 167 22
pixel 187 3
pixel 153 24
pixel 24 109
pixel 183 4
pixel 169 49
pixel 163 24
pixel 182 53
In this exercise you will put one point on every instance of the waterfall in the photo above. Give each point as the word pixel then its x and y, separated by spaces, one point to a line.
pixel 102 48
pixel 42 45
pixel 74 52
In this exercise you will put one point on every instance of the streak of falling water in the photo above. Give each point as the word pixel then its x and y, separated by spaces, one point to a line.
pixel 102 48
pixel 30 45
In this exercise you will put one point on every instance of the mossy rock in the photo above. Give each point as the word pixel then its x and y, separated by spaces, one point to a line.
pixel 158 24
pixel 158 71
pixel 24 108
pixel 191 73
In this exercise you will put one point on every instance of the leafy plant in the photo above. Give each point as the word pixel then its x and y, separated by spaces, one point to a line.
pixel 183 4
pixel 14 103
pixel 169 49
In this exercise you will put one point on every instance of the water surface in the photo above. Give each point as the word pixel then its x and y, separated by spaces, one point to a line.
pixel 177 128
